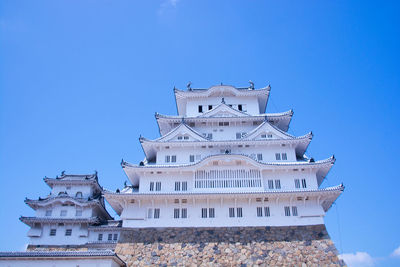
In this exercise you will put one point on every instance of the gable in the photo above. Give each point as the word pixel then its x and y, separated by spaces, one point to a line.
pixel 223 110
pixel 267 131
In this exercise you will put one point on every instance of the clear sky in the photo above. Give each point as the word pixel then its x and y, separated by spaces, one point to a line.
pixel 81 80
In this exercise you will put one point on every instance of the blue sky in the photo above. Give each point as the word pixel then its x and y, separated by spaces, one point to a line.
pixel 81 80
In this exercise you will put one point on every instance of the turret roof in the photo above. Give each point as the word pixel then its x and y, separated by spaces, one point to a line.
pixel 74 179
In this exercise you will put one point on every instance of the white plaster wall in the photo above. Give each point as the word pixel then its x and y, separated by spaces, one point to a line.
pixel 71 211
pixel 305 208
pixel 94 234
pixel 286 178
pixel 85 189
pixel 251 103
pixel 54 262
pixel 60 238
pixel 183 153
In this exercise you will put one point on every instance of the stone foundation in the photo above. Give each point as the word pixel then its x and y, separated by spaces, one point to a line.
pixel 232 246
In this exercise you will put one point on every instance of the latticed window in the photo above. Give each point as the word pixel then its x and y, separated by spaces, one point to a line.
pixel 259 212
pixel 184 186
pixel 177 186
pixel 211 212
pixel 231 212
pixel 53 232
pixel 303 183
pixel 173 158
pixel 115 237
pixel 271 184
pixel 158 186
pixel 284 156
pixel 100 237
pixel 167 158
pixel 176 213
pixel 278 184
pixel 156 213
pixel 191 158
pixel 110 236
pixel 204 213
pixel 151 186
pixel 259 157
pixel 277 156
pixel 297 183
pixel 184 213
pixel 239 212
pixel 287 211
pixel 294 211
pixel 68 232
pixel 267 212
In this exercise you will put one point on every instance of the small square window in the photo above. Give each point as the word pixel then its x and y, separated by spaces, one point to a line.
pixel 184 213
pixel 115 237
pixel 48 212
pixel 53 232
pixel 287 211
pixel 156 213
pixel 63 213
pixel 100 237
pixel 186 137
pixel 191 158
pixel 294 211
pixel 277 156
pixel 239 212
pixel 209 107
pixel 179 137
pixel 284 156
pixel 204 213
pixel 173 158
pixel 68 232
pixel 211 213
pixel 184 186
pixel 110 236
pixel 296 183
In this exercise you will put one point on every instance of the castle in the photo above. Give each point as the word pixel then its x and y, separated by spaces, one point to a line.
pixel 224 185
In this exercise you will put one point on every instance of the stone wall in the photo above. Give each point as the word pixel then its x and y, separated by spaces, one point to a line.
pixel 233 246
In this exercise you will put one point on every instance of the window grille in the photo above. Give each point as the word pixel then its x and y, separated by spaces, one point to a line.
pixel 53 232
pixel 151 186
pixel 177 186
pixel 78 212
pixel 158 186
pixel 287 211
pixel 167 158
pixel 184 213
pixel 109 237
pixel 271 184
pixel 278 184
pixel 204 213
pixel 266 212
pixel 63 213
pixel 294 211
pixel 303 183
pixel 259 157
pixel 176 213
pixel 68 232
pixel 231 212
pixel 48 212
pixel 173 158
pixel 239 212
pixel 115 237
pixel 156 213
pixel 259 212
pixel 211 212
pixel 296 183
pixel 227 179
pixel 284 156
pixel 277 156
pixel 100 237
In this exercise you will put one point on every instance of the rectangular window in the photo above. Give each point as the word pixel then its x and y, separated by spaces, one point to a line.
pixel 204 213
pixel 179 137
pixel 68 232
pixel 184 186
pixel 240 107
pixel 177 186
pixel 173 158
pixel 209 107
pixel 63 213
pixel 231 212
pixel 294 211
pixel 53 232
pixel 186 137
pixel 259 157
pixel 226 123
pixel 238 135
pixel 100 237
pixel 278 184
pixel 158 186
pixel 239 212
pixel 200 109
pixel 269 135
pixel 151 186
pixel 156 213
pixel 259 212
pixel 48 212
pixel 149 213
pixel 303 183
pixel 176 213
pixel 184 213
pixel 220 123
pixel 266 212
pixel 211 213
pixel 296 183
pixel 78 212
pixel 287 211
pixel 271 184
pixel 191 158
pixel 284 156
pixel 263 136
pixel 109 237
pixel 209 136
pixel 115 237
pixel 277 156
pixel 167 159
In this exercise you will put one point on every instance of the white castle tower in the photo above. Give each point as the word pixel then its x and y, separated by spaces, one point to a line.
pixel 224 162
pixel 73 214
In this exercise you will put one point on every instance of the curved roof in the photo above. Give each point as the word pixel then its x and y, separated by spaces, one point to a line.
pixel 181 96
pixel 32 220
pixel 323 166
pixel 330 195
pixel 74 179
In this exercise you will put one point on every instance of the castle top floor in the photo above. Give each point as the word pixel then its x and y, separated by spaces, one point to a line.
pixel 195 102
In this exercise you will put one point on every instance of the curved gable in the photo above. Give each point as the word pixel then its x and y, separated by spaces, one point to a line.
pixel 223 110
pixel 266 131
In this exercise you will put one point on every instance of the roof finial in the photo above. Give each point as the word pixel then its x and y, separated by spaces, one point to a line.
pixel 125 184
pixel 251 85
pixel 189 86
pixel 183 120
pixel 221 83
pixel 223 100
pixel 269 87
pixel 62 173
pixel 95 172
pixel 122 161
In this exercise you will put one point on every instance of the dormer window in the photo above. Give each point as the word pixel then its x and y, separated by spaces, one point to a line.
pixel 78 195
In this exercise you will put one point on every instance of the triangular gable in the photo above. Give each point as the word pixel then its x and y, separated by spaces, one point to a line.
pixel 223 110
pixel 267 131
pixel 181 133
